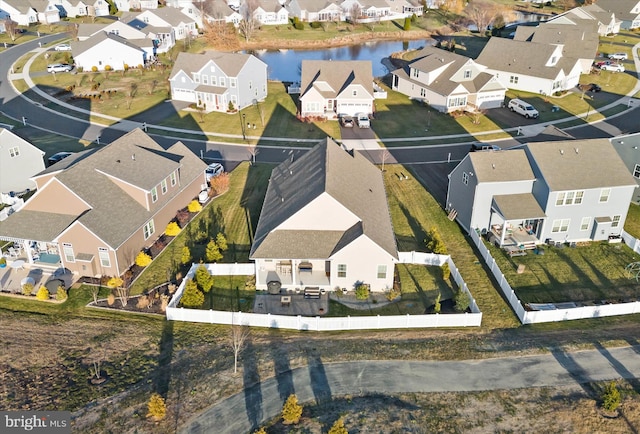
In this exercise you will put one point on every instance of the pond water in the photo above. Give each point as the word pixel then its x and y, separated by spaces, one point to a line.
pixel 285 65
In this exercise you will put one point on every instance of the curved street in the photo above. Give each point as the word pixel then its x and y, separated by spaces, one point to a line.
pixel 317 383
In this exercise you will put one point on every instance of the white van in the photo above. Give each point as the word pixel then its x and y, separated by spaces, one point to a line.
pixel 523 108
pixel 363 120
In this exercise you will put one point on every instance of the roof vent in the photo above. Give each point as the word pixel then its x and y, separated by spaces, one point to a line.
pixel 493 166
pixel 290 172
pixel 561 151
pixel 577 150
pixel 133 157
pixel 117 161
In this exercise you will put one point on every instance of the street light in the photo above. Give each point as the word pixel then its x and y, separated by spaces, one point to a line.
pixel 244 134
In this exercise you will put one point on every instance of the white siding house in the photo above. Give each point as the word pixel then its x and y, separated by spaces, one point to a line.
pixel 107 49
pixel 19 161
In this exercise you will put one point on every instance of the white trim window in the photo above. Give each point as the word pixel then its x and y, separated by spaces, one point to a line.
pixel 149 229
pixel 163 186
pixel 103 254
pixel 14 151
pixel 382 272
pixel 232 82
pixel 604 195
pixel 560 225
pixel 569 198
pixel 174 179
pixel 615 221
pixel 584 224
pixel 342 270
pixel 67 249
pixel 636 171
pixel 465 178
pixel 154 194
pixel 513 79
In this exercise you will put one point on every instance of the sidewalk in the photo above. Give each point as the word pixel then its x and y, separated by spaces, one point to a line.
pixel 524 131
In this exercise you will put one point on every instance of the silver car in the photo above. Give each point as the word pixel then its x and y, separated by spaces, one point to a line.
pixel 59 67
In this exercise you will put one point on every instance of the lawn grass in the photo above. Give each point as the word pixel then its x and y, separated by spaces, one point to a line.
pixel 583 274
pixel 632 223
pixel 413 212
pixel 234 213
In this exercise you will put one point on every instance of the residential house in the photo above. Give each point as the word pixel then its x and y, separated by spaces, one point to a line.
pixel 107 49
pixel 93 214
pixel 48 13
pixel 219 11
pixel 181 25
pixel 71 8
pixel 530 66
pixel 313 10
pixel 406 8
pixel 627 11
pixel 331 88
pixel 265 12
pixel 214 80
pixel 578 41
pixel 563 191
pixel 119 28
pixel 193 9
pixel 448 82
pixel 135 5
pixel 628 148
pixel 150 39
pixel 365 10
pixel 606 21
pixel 320 229
pixel 20 11
pixel 19 161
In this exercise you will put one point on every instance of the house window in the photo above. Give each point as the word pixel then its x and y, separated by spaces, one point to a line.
pixel 467 73
pixel 205 79
pixel 465 178
pixel 103 253
pixel 250 84
pixel 569 198
pixel 163 186
pixel 458 101
pixel 513 79
pixel 223 82
pixel 423 92
pixel 68 252
pixel 415 73
pixel 234 99
pixel 342 270
pixel 382 271
pixel 616 221
pixel 196 78
pixel 604 195
pixel 355 93
pixel 560 225
pixel 14 152
pixel 154 194
pixel 636 171
pixel 149 229
pixel 232 82
pixel 584 224
pixel 173 178
pixel 214 80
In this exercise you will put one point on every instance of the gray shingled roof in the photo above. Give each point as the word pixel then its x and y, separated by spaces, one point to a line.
pixel 622 8
pixel 520 57
pixel 518 206
pixel 79 47
pixel 314 5
pixel 501 166
pixel 35 225
pixel 337 74
pixel 114 214
pixel 230 63
pixel 580 164
pixel 579 41
pixel 351 180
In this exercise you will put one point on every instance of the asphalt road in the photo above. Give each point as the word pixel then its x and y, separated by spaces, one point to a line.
pixel 246 411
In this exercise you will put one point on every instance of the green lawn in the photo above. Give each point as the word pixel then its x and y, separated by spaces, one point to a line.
pixel 581 274
pixel 632 224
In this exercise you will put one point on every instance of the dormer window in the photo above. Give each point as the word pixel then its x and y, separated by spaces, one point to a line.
pixel 355 93
pixel 467 73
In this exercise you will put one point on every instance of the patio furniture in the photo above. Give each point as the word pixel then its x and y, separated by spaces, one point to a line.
pixel 13 253
pixel 285 300
pixel 274 287
pixel 312 292
pixel 18 264
pixel 305 267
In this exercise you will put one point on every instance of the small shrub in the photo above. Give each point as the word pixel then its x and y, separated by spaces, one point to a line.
pixel 250 283
pixel 221 241
pixel 392 294
pixel 194 206
pixel 315 25
pixel 108 68
pixel 172 229
pixel 203 278
pixel 186 257
pixel 219 184
pixel 610 397
pixel 212 252
pixel 43 293
pixel 27 289
pixel 94 69
pixel 111 299
pixel 156 407
pixel 231 107
pixel 362 291
pixel 61 293
pixel 192 296
pixel 407 24
pixel 260 430
pixel 437 307
pixel 298 26
pixel 435 243
pixel 143 302
pixel 143 259
pixel 446 271
pixel 461 300
pixel 338 427
pixel 291 411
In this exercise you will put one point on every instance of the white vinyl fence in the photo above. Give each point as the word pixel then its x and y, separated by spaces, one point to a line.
pixel 539 316
pixel 317 323
pixel 631 241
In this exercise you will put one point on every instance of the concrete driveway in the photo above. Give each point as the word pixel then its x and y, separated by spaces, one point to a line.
pixel 247 410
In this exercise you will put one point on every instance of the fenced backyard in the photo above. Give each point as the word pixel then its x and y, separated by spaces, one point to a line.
pixel 567 309
pixel 319 323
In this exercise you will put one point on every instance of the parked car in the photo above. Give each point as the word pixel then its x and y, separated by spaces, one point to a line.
pixel 484 147
pixel 614 67
pixel 59 67
pixel 346 121
pixel 618 56
pixel 523 108
pixel 58 157
pixel 363 120
pixel 213 170
pixel 62 47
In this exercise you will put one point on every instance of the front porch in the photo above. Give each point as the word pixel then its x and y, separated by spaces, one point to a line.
pixel 294 274
pixel 516 222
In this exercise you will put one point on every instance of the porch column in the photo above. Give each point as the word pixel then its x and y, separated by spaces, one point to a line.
pixel 293 272
pixel 26 245
pixel 504 231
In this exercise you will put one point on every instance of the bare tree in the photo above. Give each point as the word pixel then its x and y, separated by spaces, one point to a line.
pixel 95 290
pixel 220 34
pixel 567 4
pixel 481 13
pixel 385 157
pixel 253 151
pixel 11 28
pixel 248 25
pixel 355 13
pixel 239 335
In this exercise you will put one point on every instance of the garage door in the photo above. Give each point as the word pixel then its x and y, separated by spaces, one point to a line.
pixel 353 108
